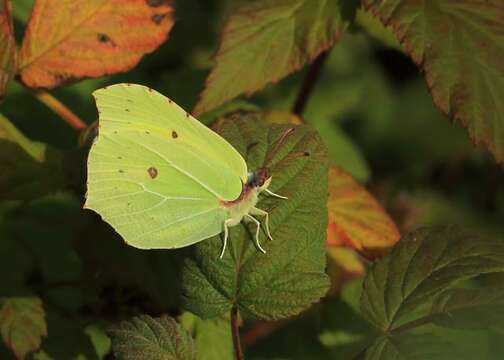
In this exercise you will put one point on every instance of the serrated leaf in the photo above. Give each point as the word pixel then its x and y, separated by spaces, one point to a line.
pixel 422 265
pixel 7 46
pixel 469 308
pixel 290 276
pixel 263 41
pixel 412 347
pixel 29 168
pixel 212 337
pixel 144 337
pixel 356 219
pixel 22 324
pixel 458 43
pixel 90 38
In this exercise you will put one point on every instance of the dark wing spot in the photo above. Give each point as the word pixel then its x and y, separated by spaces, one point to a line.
pixel 174 134
pixel 152 171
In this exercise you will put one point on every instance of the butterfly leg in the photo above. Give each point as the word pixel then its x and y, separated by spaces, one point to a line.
pixel 275 195
pixel 226 234
pixel 257 232
pixel 260 212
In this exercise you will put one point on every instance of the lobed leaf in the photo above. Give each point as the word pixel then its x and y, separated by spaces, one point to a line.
pixel 263 41
pixel 7 46
pixel 422 265
pixel 144 337
pixel 22 324
pixel 459 45
pixel 90 38
pixel 356 219
pixel 469 308
pixel 290 276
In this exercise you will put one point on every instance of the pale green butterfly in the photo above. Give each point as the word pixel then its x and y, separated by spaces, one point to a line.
pixel 164 180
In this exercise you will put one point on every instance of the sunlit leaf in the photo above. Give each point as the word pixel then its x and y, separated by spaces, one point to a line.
pixel 144 337
pixel 356 219
pixel 290 276
pixel 263 41
pixel 90 38
pixel 470 308
pixel 458 43
pixel 422 265
pixel 7 46
pixel 22 324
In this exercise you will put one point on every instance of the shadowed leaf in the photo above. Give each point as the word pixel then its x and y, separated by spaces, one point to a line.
pixel 459 45
pixel 7 46
pixel 290 276
pixel 356 219
pixel 422 265
pixel 144 337
pixel 22 324
pixel 263 41
pixel 90 38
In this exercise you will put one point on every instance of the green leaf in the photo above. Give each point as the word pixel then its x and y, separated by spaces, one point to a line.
pixel 212 337
pixel 29 168
pixel 470 308
pixel 412 347
pixel 422 265
pixel 263 41
pixel 22 324
pixel 459 45
pixel 290 276
pixel 144 337
pixel 7 46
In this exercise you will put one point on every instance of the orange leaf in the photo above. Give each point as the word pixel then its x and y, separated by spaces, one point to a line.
pixel 356 219
pixel 69 40
pixel 7 46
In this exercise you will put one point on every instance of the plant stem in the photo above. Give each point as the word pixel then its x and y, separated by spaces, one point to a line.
pixel 59 108
pixel 309 83
pixel 236 334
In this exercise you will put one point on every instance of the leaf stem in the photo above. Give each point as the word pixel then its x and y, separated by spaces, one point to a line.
pixel 236 334
pixel 59 108
pixel 309 82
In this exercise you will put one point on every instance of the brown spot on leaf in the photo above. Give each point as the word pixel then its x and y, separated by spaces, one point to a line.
pixel 152 172
pixel 174 134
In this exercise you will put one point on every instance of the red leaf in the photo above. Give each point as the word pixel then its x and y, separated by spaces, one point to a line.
pixel 7 46
pixel 90 38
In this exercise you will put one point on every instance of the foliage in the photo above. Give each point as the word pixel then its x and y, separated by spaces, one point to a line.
pixel 364 264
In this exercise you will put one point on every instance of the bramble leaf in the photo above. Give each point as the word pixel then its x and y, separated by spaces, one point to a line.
pixel 144 337
pixel 469 308
pixel 290 276
pixel 263 41
pixel 7 46
pixel 29 168
pixel 459 45
pixel 82 39
pixel 422 265
pixel 356 219
pixel 22 324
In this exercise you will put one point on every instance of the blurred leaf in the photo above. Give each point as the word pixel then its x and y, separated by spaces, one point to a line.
pixel 7 46
pixel 437 35
pixel 144 337
pixel 263 41
pixel 376 29
pixel 422 265
pixel 290 276
pixel 412 347
pixel 470 308
pixel 22 324
pixel 78 39
pixel 212 337
pixel 356 219
pixel 29 169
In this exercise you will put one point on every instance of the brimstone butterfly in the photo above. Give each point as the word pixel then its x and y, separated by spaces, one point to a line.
pixel 164 180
